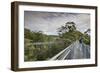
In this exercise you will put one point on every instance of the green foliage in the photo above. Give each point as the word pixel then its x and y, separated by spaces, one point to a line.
pixel 40 52
pixel 34 36
pixel 67 35
pixel 86 39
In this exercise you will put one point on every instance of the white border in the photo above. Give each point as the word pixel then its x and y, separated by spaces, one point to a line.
pixel 23 64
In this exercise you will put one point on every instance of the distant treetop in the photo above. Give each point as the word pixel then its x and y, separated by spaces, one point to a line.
pixel 70 23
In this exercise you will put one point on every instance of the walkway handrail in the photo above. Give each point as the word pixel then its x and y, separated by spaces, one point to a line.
pixel 60 53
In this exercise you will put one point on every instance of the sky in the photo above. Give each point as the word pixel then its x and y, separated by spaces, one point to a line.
pixel 49 22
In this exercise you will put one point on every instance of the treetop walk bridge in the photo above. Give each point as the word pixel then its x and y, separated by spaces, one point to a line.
pixel 76 50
